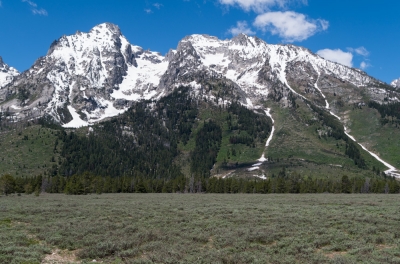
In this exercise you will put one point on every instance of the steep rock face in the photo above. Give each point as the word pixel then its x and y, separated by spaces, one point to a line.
pixel 260 70
pixel 87 77
pixel 7 73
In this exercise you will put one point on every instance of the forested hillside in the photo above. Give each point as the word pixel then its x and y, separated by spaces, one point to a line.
pixel 178 142
pixel 146 140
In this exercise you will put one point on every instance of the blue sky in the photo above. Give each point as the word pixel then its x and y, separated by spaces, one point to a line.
pixel 363 34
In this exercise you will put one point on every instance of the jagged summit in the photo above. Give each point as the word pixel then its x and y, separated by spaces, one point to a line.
pixel 7 73
pixel 254 66
pixel 396 83
pixel 107 27
pixel 87 77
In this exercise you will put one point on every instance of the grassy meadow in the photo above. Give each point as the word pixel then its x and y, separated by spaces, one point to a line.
pixel 183 228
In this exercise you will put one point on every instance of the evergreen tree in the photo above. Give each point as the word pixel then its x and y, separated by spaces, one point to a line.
pixel 346 185
pixel 7 184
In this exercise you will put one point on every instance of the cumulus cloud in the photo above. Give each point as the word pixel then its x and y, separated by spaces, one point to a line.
pixel 148 11
pixel 241 27
pixel 259 6
pixel 346 58
pixel 289 25
pixel 35 9
pixel 337 55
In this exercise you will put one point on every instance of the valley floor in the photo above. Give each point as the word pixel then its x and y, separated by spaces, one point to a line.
pixel 183 228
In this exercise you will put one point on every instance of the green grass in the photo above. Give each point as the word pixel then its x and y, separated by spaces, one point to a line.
pixel 296 137
pixel 17 245
pixel 173 228
pixel 383 140
pixel 296 141
pixel 28 151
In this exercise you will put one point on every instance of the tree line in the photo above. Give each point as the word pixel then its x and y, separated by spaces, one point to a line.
pixel 88 183
pixel 390 110
pixel 142 142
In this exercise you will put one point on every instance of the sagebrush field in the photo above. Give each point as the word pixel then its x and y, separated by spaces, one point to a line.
pixel 200 228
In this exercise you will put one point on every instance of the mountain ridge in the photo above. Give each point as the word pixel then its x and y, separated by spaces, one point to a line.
pixel 87 77
pixel 90 77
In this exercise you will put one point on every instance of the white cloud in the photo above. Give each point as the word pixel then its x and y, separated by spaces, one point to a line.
pixel 40 11
pixel 337 55
pixel 289 25
pixel 364 65
pixel 362 51
pixel 35 9
pixel 324 24
pixel 346 58
pixel 241 27
pixel 157 5
pixel 259 6
pixel 32 4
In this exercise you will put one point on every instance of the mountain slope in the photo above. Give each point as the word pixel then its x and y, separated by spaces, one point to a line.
pixel 7 73
pixel 251 64
pixel 90 77
pixel 87 77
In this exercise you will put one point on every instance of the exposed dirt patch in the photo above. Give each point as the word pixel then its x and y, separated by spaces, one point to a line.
pixel 210 243
pixel 383 246
pixel 332 255
pixel 59 256
pixel 273 244
pixel 144 257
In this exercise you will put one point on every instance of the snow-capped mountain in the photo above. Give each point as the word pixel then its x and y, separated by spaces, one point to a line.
pixel 87 77
pixel 7 73
pixel 396 83
pixel 258 68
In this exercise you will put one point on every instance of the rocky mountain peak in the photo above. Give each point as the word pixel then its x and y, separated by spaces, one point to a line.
pixel 106 28
pixel 87 77
pixel 245 40
pixel 396 83
pixel 7 73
